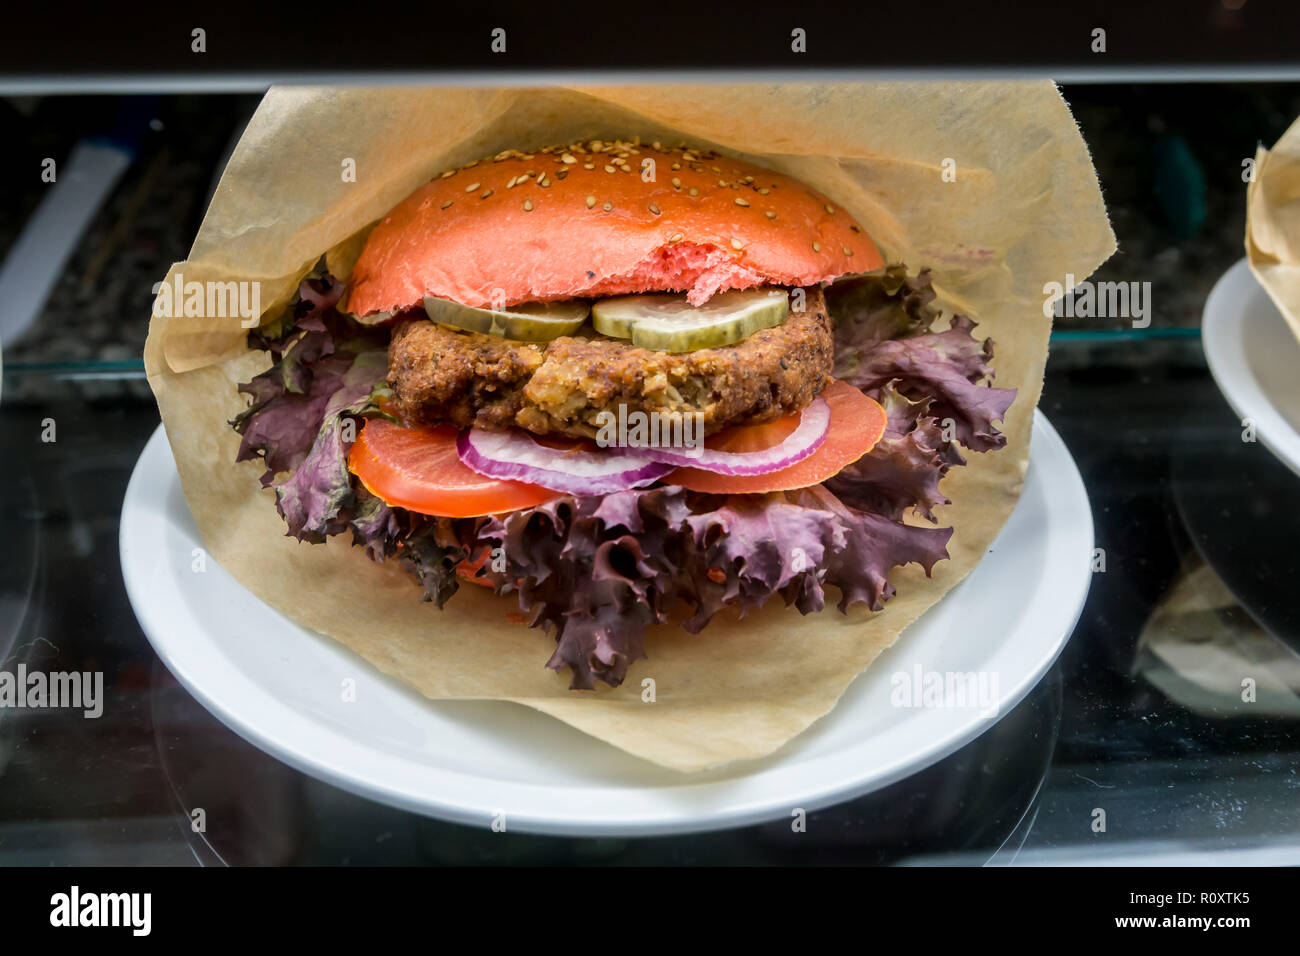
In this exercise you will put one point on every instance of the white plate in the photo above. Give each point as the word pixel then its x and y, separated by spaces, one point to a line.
pixel 276 684
pixel 1255 359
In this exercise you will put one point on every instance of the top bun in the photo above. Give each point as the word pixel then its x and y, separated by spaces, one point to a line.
pixel 582 220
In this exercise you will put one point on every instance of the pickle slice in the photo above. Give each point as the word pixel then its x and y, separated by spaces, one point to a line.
pixel 671 324
pixel 527 322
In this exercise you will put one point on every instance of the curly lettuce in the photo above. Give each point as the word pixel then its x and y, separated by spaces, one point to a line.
pixel 884 338
pixel 597 572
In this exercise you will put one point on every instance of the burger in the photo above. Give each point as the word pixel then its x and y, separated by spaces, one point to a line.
pixel 622 384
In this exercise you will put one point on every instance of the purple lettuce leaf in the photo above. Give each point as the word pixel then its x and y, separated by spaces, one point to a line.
pixel 431 555
pixel 882 305
pixel 313 348
pixel 313 499
pixel 375 526
pixel 902 472
pixel 873 545
pixel 597 572
pixel 949 368
pixel 281 425
pixel 945 368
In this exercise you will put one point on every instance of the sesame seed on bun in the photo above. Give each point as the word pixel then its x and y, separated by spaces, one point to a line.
pixel 581 221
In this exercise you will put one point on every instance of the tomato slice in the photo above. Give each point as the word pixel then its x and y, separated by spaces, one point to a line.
pixel 856 425
pixel 418 469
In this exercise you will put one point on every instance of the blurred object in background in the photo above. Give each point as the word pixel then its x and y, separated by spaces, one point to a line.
pixel 1273 224
pixel 89 317
pixel 36 260
pixel 1179 186
pixel 1199 645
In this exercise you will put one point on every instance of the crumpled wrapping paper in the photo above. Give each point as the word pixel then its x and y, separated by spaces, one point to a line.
pixel 1024 209
pixel 1198 643
pixel 1273 223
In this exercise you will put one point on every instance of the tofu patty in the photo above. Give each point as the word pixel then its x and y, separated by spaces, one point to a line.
pixel 443 375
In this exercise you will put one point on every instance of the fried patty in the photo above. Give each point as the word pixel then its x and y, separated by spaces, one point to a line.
pixel 443 375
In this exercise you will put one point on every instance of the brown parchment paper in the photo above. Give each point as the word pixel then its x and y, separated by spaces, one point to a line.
pixel 1024 209
pixel 1273 223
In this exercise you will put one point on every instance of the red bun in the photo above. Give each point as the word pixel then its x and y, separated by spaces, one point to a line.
pixel 534 226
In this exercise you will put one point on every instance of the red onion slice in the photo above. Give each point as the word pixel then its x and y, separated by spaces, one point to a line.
pixel 814 422
pixel 516 456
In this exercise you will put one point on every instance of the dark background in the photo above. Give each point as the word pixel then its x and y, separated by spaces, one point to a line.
pixel 45 43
